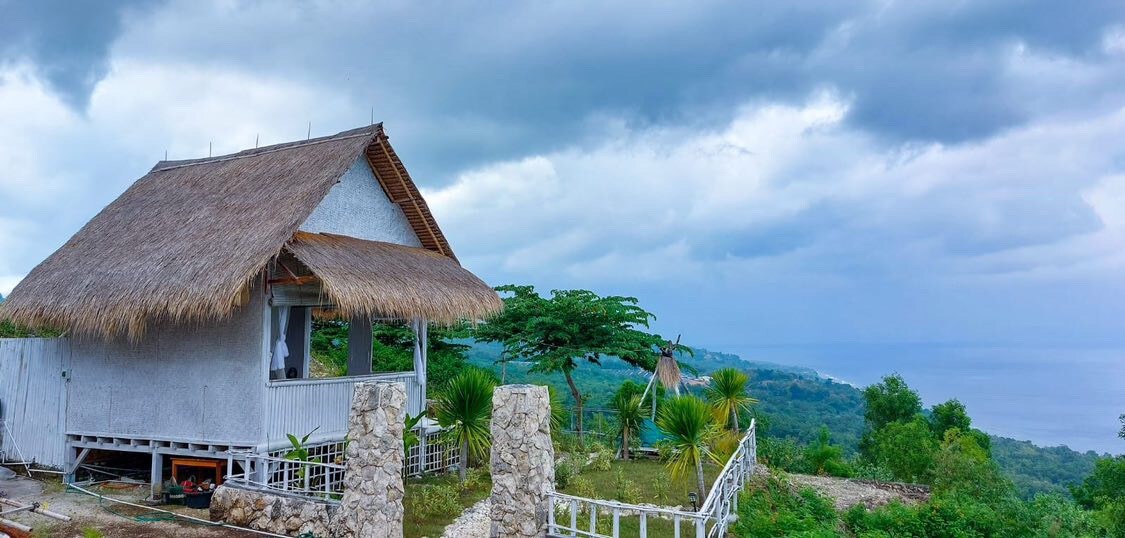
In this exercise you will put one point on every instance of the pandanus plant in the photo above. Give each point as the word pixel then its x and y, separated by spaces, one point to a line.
pixel 727 395
pixel 464 408
pixel 688 425
pixel 630 416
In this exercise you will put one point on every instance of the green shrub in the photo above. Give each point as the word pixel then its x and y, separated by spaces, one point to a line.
pixel 772 510
pixel 602 460
pixel 627 490
pixel 582 487
pixel 566 442
pixel 1058 516
pixel 435 500
pixel 824 458
pixel 894 519
pixel 866 470
pixel 11 330
pixel 476 478
pixel 781 454
pixel 564 472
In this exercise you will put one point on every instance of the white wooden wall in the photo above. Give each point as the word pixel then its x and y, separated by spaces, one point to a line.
pixel 33 399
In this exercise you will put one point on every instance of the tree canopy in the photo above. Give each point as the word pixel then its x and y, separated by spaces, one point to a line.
pixel 569 328
pixel 890 400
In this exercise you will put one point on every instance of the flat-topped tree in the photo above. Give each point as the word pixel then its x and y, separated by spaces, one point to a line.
pixel 569 328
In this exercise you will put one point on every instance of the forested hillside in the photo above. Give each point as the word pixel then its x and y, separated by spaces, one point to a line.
pixel 1041 469
pixel 795 402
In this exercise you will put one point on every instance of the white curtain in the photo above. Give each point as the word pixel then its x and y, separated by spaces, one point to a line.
pixel 421 327
pixel 280 348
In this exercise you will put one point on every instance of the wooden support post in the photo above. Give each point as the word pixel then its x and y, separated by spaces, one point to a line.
pixel 75 457
pixel 359 346
pixel 157 473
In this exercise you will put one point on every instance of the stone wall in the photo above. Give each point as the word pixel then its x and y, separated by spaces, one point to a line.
pixel 278 514
pixel 523 461
pixel 372 503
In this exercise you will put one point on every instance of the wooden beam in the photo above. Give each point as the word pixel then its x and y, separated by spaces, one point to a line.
pixel 295 280
pixel 413 201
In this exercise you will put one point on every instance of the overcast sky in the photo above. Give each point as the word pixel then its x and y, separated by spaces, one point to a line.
pixel 754 172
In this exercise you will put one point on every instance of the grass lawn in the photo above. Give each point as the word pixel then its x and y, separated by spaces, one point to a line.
pixel 650 478
pixel 421 522
pixel 635 481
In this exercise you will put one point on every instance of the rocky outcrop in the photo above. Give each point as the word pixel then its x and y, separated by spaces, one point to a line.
pixel 291 516
pixel 523 461
pixel 372 503
pixel 847 492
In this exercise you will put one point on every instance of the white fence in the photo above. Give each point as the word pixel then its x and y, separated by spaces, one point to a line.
pixel 592 518
pixel 311 478
pixel 297 406
pixel 722 500
pixel 322 475
pixel 432 454
pixel 33 400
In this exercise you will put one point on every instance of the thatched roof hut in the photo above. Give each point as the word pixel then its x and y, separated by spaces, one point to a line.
pixel 187 242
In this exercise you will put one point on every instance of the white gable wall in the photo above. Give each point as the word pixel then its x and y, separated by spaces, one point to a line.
pixel 358 207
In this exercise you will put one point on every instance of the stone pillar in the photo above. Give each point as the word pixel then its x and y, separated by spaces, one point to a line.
pixel 523 461
pixel 371 506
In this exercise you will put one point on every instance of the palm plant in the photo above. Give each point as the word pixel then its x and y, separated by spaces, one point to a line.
pixel 559 414
pixel 727 395
pixel 464 408
pixel 629 418
pixel 688 424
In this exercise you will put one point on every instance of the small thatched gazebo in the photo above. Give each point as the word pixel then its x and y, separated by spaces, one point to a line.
pixel 187 302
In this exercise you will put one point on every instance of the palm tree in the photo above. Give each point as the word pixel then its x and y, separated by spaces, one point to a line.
pixel 727 395
pixel 629 418
pixel 688 424
pixel 464 408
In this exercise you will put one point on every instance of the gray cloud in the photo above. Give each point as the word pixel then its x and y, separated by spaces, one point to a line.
pixel 473 84
pixel 67 42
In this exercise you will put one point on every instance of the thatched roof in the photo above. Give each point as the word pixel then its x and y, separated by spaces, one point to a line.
pixel 388 280
pixel 185 240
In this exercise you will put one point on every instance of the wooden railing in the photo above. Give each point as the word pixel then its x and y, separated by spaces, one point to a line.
pixel 571 516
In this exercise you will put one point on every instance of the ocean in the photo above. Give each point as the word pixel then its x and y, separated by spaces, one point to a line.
pixel 1048 395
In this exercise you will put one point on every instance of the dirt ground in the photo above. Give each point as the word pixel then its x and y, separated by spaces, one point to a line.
pixel 93 517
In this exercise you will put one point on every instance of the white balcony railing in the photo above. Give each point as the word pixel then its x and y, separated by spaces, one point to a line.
pixel 301 405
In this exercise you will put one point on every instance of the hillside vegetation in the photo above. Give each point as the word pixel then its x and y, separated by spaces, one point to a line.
pixel 794 403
